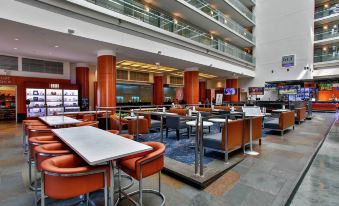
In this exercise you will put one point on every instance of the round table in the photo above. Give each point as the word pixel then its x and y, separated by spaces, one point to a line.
pixel 194 123
pixel 133 117
pixel 219 120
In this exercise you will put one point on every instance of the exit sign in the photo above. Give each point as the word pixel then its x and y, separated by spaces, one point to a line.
pixel 288 61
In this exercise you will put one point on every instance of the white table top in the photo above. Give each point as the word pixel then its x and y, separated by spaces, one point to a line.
pixel 134 117
pixel 219 120
pixel 59 120
pixel 194 123
pixel 97 146
pixel 164 113
pixel 82 112
pixel 279 110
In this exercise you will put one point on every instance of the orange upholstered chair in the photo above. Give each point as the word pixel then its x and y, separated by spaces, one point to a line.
pixel 34 142
pixel 225 108
pixel 25 125
pixel 128 136
pixel 203 109
pixel 226 142
pixel 179 111
pixel 300 114
pixel 88 123
pixel 68 176
pixel 44 152
pixel 145 166
pixel 139 126
pixel 285 121
pixel 116 122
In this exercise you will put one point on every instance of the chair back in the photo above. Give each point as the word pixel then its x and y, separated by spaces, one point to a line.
pixel 172 122
pixel 301 113
pixel 89 123
pixel 235 134
pixel 142 126
pixel 256 129
pixel 286 120
pixel 182 112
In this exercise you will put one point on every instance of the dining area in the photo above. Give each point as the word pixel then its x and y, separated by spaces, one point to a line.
pixel 69 159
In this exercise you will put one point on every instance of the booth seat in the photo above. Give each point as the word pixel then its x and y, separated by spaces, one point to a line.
pixel 284 122
pixel 225 108
pixel 182 112
pixel 324 106
pixel 203 109
pixel 300 114
pixel 235 137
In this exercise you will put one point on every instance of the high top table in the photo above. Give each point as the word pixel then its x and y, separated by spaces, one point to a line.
pixel 57 121
pixel 97 146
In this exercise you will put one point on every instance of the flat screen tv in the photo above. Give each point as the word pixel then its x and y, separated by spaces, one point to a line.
pixel 230 91
pixel 271 87
pixel 256 90
pixel 289 89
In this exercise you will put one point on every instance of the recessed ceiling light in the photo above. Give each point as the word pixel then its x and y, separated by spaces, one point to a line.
pixel 56 46
pixel 15 48
pixel 16 39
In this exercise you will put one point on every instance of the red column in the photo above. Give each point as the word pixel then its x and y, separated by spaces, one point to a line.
pixel 202 91
pixel 191 86
pixel 158 90
pixel 233 83
pixel 82 80
pixel 106 76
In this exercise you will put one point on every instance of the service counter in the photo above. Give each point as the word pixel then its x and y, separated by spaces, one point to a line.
pixel 325 106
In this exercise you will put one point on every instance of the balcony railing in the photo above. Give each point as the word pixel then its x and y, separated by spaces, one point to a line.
pixel 326 12
pixel 243 9
pixel 158 19
pixel 326 57
pixel 219 16
pixel 326 35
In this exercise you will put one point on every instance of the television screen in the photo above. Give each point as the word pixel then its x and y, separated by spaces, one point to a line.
pixel 325 86
pixel 256 90
pixel 271 87
pixel 230 91
pixel 289 89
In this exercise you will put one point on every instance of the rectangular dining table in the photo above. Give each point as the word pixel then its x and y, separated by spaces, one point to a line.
pixel 56 121
pixel 98 146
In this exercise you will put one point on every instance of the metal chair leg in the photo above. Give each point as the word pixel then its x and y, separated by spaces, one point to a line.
pixel 42 189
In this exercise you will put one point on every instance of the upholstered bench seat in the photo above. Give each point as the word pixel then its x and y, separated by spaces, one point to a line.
pixel 213 141
pixel 272 124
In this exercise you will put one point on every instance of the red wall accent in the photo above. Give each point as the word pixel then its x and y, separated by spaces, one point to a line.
pixel 191 87
pixel 106 92
pixel 202 92
pixel 82 80
pixel 233 83
pixel 158 90
pixel 31 82
pixel 327 95
pixel 95 86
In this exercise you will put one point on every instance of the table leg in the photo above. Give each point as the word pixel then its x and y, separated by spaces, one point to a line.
pixel 161 129
pixel 111 188
pixel 251 152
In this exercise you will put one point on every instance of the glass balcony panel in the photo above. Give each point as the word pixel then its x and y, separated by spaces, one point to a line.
pixel 242 8
pixel 219 16
pixel 163 21
pixel 326 35
pixel 326 57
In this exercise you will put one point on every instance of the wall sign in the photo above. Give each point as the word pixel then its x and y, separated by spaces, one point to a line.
pixel 5 80
pixel 288 61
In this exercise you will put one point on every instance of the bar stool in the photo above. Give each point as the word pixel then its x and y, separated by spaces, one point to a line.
pixel 145 166
pixel 44 152
pixel 68 176
pixel 34 142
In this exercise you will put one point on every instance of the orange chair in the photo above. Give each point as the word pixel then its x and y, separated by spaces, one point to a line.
pixel 44 152
pixel 136 127
pixel 145 166
pixel 116 123
pixel 68 176
pixel 181 112
pixel 300 114
pixel 89 123
pixel 128 136
pixel 25 125
pixel 34 142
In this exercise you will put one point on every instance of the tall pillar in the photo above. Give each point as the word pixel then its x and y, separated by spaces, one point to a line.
pixel 106 76
pixel 82 80
pixel 233 83
pixel 158 90
pixel 191 86
pixel 202 91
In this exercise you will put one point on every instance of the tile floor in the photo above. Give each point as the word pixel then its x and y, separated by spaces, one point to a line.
pixel 266 179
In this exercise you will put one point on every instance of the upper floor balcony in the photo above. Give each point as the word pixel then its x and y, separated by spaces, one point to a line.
pixel 235 10
pixel 177 26
pixel 222 18
pixel 326 12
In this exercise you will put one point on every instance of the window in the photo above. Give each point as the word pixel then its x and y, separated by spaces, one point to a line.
pixel 139 76
pixel 8 63
pixel 41 66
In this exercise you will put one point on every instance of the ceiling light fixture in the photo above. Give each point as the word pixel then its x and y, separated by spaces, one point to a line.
pixel 16 39
pixel 56 46
pixel 15 48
